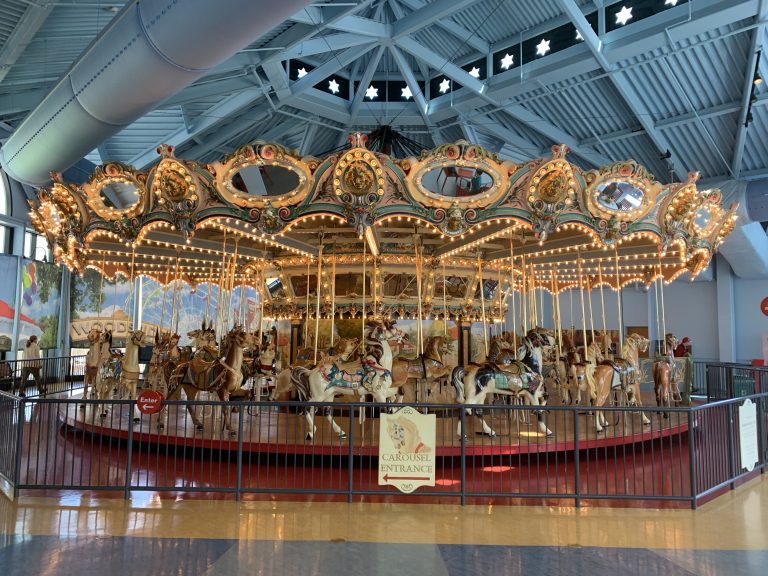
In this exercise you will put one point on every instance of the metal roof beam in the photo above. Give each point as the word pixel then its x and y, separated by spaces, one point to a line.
pixel 24 31
pixel 410 80
pixel 747 89
pixel 623 86
pixel 456 30
pixel 428 15
pixel 325 44
pixel 442 64
pixel 524 148
pixel 330 67
pixel 364 83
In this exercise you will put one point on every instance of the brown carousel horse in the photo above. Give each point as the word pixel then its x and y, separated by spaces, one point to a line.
pixel 223 376
pixel 620 376
pixel 429 365
pixel 666 377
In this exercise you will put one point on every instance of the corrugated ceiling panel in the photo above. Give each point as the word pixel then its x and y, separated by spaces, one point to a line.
pixel 10 15
pixel 638 148
pixel 756 149
pixel 705 146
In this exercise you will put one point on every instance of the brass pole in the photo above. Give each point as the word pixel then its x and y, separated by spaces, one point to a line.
pixel 618 299
pixel 317 307
pixel 333 295
pixel 482 303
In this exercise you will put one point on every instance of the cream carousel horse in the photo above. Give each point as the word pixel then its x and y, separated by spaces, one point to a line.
pixel 518 380
pixel 666 377
pixel 581 375
pixel 223 376
pixel 165 356
pixel 620 376
pixel 98 353
pixel 130 370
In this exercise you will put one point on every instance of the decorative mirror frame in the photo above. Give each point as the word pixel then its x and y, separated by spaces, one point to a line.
pixel 262 154
pixel 461 154
pixel 627 171
pixel 115 173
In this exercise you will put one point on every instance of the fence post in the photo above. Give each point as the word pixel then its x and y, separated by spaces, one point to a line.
pixel 731 451
pixel 239 485
pixel 19 446
pixel 463 441
pixel 129 448
pixel 350 452
pixel 576 460
pixel 692 460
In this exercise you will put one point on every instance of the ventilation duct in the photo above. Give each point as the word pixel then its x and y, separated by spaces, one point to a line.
pixel 148 52
pixel 746 248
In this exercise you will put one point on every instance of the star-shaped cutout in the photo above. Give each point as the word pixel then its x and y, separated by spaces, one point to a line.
pixel 579 36
pixel 406 92
pixel 475 72
pixel 670 3
pixel 372 92
pixel 301 73
pixel 445 85
pixel 542 47
pixel 624 15
pixel 333 86
pixel 507 61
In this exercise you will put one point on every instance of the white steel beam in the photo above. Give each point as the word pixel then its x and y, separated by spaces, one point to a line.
pixel 26 28
pixel 427 15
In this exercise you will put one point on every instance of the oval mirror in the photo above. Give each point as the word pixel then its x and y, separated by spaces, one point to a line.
pixel 619 196
pixel 702 218
pixel 120 195
pixel 266 180
pixel 457 181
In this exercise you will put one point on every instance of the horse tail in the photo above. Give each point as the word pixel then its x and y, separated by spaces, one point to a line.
pixel 457 379
pixel 300 381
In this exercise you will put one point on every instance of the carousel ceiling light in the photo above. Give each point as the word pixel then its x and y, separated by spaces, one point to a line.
pixel 406 93
pixel 445 85
pixel 542 47
pixel 579 37
pixel 475 72
pixel 301 73
pixel 333 87
pixel 372 92
pixel 507 61
pixel 624 15
pixel 670 3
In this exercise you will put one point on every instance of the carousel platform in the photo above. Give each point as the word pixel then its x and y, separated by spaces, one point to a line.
pixel 278 430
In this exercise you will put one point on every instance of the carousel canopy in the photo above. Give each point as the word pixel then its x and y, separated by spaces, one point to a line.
pixel 454 225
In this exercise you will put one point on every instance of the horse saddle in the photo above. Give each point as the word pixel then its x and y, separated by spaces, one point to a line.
pixel 339 378
pixel 623 371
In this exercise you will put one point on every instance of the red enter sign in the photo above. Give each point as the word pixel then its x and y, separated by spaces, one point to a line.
pixel 149 402
pixel 764 306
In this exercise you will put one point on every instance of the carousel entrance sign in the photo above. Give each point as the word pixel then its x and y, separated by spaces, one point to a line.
pixel 748 435
pixel 149 402
pixel 407 449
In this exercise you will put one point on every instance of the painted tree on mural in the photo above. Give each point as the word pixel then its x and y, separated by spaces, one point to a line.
pixel 47 280
pixel 85 293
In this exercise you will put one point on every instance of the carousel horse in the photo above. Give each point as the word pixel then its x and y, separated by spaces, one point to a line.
pixel 521 380
pixel 581 375
pixel 165 356
pixel 666 377
pixel 429 365
pixel 93 361
pixel 620 375
pixel 342 351
pixel 108 373
pixel 130 370
pixel 221 375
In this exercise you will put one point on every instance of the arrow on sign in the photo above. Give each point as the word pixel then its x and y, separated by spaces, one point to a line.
pixel 387 477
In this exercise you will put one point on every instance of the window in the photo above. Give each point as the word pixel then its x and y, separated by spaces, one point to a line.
pixel 36 247
pixel 5 204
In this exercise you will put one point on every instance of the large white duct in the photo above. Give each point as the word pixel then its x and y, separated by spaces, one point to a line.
pixel 746 248
pixel 150 50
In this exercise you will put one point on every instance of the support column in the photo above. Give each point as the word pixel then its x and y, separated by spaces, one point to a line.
pixel 464 341
pixel 726 329
pixel 64 313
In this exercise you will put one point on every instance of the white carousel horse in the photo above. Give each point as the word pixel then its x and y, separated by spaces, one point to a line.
pixel 521 379
pixel 130 371
pixel 621 375
pixel 227 377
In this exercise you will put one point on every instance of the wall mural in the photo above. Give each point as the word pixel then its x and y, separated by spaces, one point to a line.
pixel 105 305
pixel 8 265
pixel 41 296
pixel 192 307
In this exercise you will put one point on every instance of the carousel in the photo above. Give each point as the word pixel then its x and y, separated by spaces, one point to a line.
pixel 393 274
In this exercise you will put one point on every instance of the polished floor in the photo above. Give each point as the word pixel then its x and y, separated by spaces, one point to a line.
pixel 78 534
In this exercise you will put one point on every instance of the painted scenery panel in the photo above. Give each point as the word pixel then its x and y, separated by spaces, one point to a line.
pixel 104 304
pixel 8 265
pixel 41 297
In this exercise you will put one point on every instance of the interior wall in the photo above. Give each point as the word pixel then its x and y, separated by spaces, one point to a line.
pixel 750 322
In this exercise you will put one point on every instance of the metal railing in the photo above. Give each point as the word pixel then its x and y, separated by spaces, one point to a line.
pixel 683 454
pixel 53 375
pixel 725 380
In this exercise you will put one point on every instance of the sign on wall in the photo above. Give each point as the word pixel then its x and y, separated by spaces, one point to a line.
pixel 764 306
pixel 407 449
pixel 748 435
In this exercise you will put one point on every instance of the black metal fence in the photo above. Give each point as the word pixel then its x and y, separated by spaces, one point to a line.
pixel 724 380
pixel 682 454
pixel 46 375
